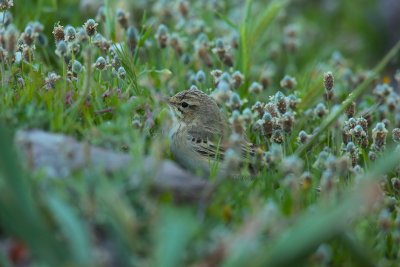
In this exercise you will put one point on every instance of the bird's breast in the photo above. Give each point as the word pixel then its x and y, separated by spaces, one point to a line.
pixel 183 151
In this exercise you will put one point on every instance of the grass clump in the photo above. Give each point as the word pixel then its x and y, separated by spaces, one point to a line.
pixel 324 119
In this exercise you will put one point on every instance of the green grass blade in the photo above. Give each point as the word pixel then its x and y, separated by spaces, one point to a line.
pixel 13 176
pixel 73 229
pixel 265 20
pixel 251 31
pixel 17 206
pixel 226 19
pixel 243 60
pixel 109 22
pixel 175 228
pixel 119 214
pixel 128 63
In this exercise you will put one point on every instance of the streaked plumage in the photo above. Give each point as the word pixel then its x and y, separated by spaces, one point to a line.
pixel 199 136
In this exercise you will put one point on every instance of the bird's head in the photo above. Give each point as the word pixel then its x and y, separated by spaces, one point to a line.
pixel 193 106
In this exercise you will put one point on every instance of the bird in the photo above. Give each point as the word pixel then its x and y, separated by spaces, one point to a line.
pixel 200 135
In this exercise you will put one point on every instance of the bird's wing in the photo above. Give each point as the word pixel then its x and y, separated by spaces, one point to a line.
pixel 248 150
pixel 210 145
pixel 206 144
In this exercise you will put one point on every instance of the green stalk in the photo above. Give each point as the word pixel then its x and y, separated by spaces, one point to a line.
pixel 86 84
pixel 244 51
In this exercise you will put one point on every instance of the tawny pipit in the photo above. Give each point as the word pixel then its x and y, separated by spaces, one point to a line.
pixel 199 134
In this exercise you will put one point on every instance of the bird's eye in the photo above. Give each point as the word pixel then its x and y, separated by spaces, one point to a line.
pixel 184 104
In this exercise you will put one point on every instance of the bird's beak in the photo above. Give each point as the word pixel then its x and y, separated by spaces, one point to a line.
pixel 170 101
pixel 165 99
